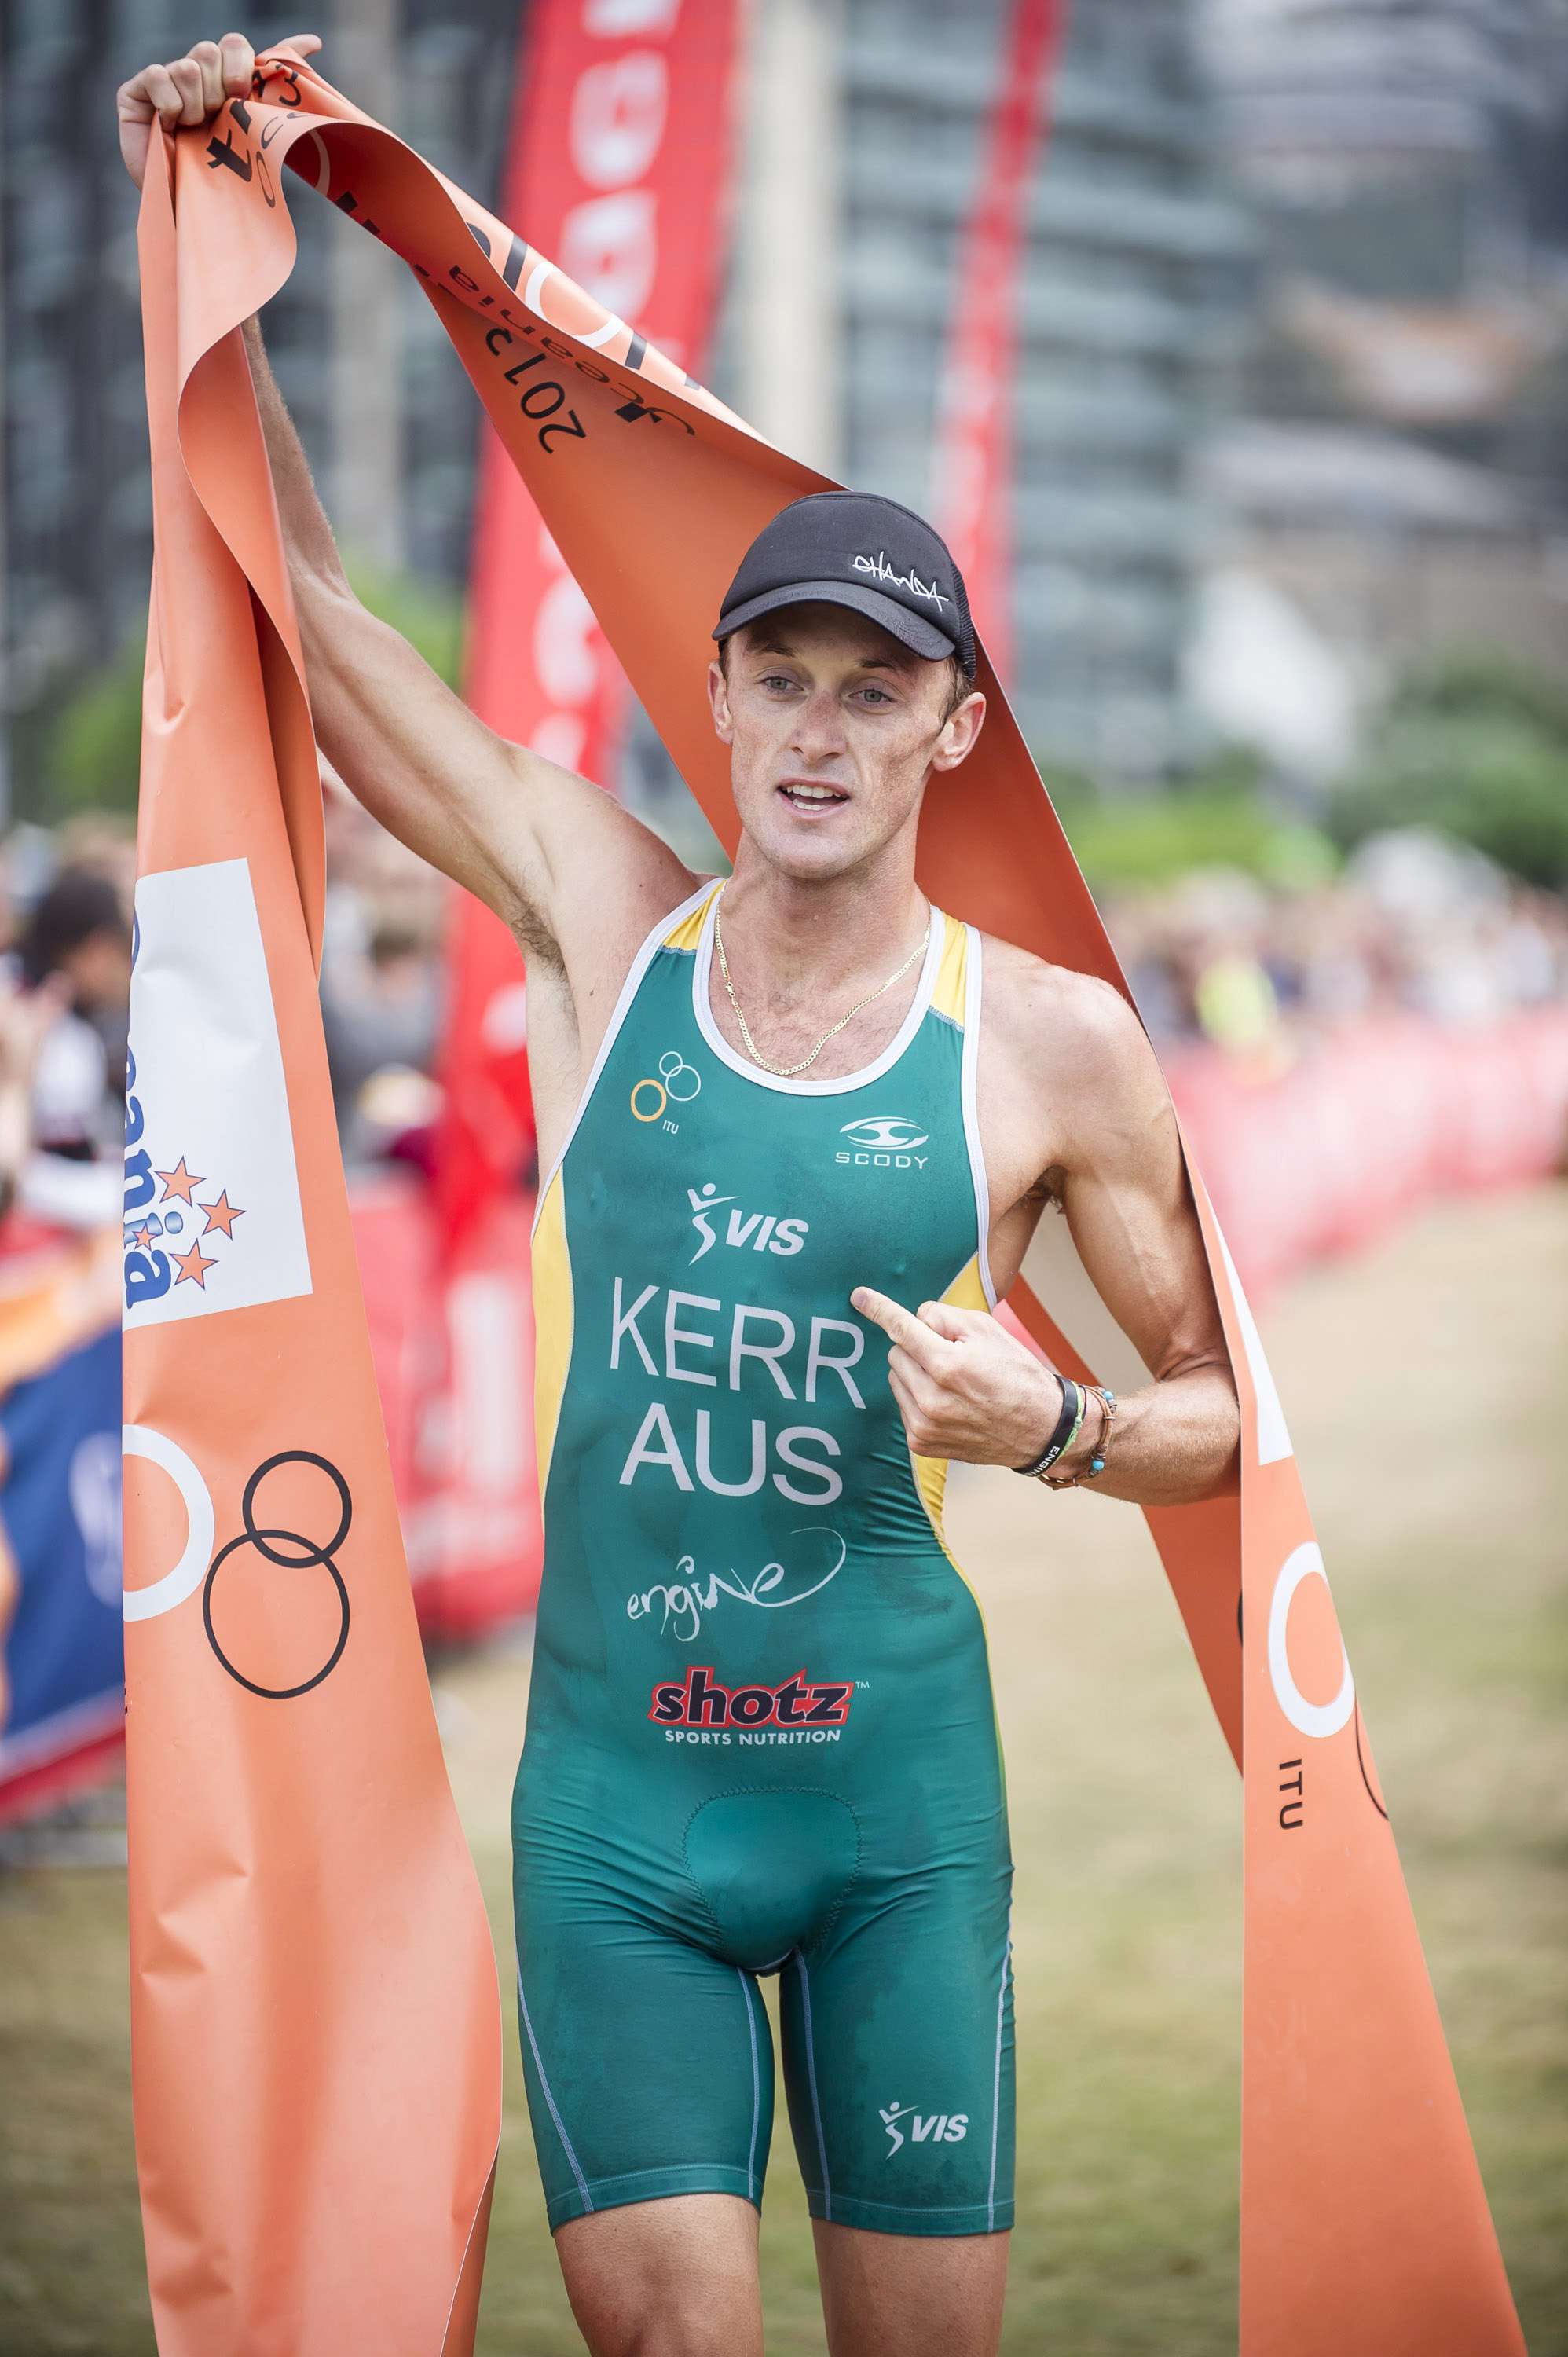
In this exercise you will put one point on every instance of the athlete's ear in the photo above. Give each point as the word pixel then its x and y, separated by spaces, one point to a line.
pixel 718 697
pixel 960 730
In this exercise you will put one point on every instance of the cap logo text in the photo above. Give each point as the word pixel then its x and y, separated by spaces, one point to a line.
pixel 880 570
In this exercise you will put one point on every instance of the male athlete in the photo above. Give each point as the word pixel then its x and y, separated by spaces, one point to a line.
pixel 782 1121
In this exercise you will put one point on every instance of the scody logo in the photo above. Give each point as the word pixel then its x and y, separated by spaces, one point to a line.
pixel 926 2127
pixel 763 1230
pixel 797 1701
pixel 884 1142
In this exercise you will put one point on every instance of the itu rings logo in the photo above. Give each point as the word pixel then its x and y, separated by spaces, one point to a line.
pixel 289 1551
pixel 678 1084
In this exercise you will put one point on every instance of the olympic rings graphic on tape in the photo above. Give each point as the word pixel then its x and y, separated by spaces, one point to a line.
pixel 313 1555
pixel 673 1070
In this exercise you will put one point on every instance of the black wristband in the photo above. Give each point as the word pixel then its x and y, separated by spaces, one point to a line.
pixel 1072 1409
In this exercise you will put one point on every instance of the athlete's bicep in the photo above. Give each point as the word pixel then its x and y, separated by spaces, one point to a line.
pixel 550 852
pixel 1124 1190
pixel 602 876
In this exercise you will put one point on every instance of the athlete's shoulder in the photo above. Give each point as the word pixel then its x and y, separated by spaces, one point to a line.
pixel 1069 1048
pixel 1036 1009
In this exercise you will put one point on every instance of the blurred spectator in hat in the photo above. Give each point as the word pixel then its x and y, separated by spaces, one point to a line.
pixel 99 843
pixel 74 953
pixel 381 1013
pixel 25 1017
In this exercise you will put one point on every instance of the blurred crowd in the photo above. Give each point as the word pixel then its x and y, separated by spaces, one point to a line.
pixel 1412 924
pixel 65 972
pixel 65 976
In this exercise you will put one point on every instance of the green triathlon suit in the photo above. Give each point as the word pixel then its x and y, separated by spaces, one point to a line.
pixel 760 1734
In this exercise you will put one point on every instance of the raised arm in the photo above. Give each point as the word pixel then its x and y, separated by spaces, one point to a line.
pixel 559 861
pixel 510 825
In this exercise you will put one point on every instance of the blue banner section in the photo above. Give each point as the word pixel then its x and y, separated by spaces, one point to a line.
pixel 60 1505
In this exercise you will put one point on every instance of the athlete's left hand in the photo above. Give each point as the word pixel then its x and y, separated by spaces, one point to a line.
pixel 964 1386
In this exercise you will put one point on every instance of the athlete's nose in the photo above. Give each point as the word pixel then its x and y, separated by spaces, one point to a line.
pixel 818 731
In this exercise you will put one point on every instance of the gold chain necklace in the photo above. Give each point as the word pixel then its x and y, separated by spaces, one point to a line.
pixel 788 1072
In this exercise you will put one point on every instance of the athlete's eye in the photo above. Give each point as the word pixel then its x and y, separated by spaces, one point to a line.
pixel 772 679
pixel 879 695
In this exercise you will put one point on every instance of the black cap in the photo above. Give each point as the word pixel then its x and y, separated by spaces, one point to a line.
pixel 851 548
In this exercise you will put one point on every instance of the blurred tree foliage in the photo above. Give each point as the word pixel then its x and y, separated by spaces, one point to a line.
pixel 1475 743
pixel 1217 817
pixel 94 747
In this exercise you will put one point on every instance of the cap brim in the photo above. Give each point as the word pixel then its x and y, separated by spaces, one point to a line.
pixel 911 630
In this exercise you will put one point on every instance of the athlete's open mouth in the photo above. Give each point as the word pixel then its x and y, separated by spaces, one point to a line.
pixel 802 795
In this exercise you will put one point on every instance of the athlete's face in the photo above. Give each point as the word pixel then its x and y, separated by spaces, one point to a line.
pixel 834 729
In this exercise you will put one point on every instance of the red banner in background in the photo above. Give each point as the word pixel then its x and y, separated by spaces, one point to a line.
pixel 452 1347
pixel 974 488
pixel 619 166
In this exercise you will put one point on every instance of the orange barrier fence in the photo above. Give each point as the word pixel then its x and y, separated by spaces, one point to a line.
pixel 1325 1155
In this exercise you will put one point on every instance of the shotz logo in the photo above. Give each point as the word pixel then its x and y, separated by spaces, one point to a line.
pixel 763 1230
pixel 703 1702
pixel 925 2128
pixel 884 1142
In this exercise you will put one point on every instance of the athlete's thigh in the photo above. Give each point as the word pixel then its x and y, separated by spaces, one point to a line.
pixel 924 2298
pixel 670 2278
pixel 648 2060
pixel 897 2032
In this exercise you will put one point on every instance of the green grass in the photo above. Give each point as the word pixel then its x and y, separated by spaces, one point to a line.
pixel 1426 1387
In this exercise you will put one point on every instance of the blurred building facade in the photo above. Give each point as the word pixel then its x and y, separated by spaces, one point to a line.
pixel 1396 463
pixel 871 118
pixel 1293 318
pixel 1123 293
pixel 365 373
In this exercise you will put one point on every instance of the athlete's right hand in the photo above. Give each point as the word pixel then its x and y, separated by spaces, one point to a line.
pixel 191 89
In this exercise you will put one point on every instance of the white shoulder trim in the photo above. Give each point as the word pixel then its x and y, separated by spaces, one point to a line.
pixel 619 1013
pixel 971 996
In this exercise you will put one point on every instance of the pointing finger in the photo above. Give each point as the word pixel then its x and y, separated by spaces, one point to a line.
pixel 902 1327
pixel 891 1316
